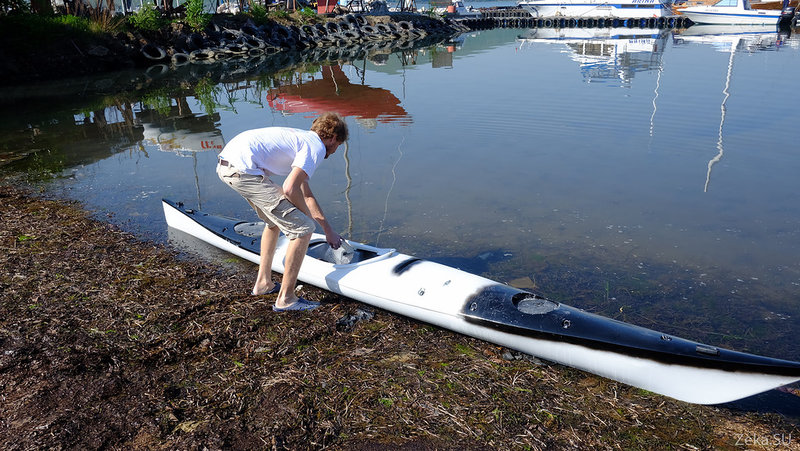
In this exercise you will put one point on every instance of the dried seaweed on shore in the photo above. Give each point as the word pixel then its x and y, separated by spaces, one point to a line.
pixel 108 341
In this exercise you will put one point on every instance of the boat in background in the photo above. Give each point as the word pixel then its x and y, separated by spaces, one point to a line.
pixel 734 12
pixel 455 8
pixel 768 4
pixel 626 9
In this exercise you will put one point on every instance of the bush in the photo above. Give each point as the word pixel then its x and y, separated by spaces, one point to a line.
pixel 100 21
pixel 258 13
pixel 74 22
pixel 308 13
pixel 105 21
pixel 196 16
pixel 279 14
pixel 147 19
pixel 33 29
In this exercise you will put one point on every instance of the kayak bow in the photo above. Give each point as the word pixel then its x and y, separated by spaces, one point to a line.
pixel 478 307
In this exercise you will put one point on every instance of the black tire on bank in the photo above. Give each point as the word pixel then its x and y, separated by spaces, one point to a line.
pixel 153 52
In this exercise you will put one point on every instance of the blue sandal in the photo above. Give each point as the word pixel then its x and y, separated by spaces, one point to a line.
pixel 274 290
pixel 300 304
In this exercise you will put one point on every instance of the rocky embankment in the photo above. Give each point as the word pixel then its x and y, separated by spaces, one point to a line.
pixel 231 38
pixel 228 38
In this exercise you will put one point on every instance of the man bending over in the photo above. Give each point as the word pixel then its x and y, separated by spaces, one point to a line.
pixel 247 164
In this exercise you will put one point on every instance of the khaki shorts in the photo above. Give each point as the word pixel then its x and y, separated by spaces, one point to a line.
pixel 267 200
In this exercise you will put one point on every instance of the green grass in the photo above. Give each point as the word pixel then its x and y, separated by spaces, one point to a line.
pixel 28 32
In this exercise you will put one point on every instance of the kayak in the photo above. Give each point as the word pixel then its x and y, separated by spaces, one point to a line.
pixel 517 319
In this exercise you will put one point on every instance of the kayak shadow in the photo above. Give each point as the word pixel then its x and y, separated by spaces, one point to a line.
pixel 189 247
pixel 479 264
pixel 779 401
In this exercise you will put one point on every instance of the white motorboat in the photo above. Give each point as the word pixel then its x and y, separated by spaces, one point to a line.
pixel 627 9
pixel 734 12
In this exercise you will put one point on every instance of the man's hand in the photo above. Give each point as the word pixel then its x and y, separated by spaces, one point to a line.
pixel 333 239
pixel 296 189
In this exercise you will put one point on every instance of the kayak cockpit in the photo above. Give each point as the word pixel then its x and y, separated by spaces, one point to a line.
pixel 533 304
pixel 357 253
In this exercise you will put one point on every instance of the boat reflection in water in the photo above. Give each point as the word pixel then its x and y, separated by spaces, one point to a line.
pixel 730 39
pixel 606 54
pixel 334 92
pixel 181 131
pixel 743 38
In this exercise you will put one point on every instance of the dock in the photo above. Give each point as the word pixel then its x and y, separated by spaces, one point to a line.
pixel 514 17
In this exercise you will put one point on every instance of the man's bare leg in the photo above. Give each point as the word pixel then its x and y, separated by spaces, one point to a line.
pixel 269 239
pixel 295 253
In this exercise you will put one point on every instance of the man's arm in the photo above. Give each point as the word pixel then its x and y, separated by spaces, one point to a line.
pixel 297 190
pixel 293 189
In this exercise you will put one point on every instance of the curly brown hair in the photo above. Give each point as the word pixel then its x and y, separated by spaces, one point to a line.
pixel 330 125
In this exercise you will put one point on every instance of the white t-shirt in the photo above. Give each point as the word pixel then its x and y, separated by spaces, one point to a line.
pixel 274 150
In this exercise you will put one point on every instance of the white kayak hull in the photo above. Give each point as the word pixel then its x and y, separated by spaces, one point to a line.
pixel 478 307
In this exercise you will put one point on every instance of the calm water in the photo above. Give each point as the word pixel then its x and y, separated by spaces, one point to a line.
pixel 643 174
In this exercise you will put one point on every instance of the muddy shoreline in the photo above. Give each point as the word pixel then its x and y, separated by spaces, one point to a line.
pixel 107 341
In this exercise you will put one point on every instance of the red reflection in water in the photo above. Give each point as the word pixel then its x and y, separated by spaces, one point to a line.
pixel 334 92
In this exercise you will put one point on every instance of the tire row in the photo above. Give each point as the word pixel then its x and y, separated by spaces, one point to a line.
pixel 221 43
pixel 354 29
pixel 233 69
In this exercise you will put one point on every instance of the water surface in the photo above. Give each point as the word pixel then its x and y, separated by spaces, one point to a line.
pixel 649 175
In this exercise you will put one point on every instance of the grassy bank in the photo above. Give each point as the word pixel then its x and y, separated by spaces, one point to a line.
pixel 107 341
pixel 37 47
